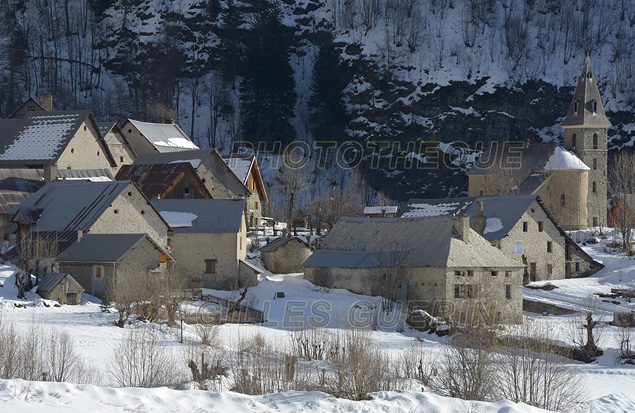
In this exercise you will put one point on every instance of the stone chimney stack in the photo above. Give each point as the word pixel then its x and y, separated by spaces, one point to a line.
pixel 50 172
pixel 479 219
pixel 46 101
pixel 80 234
pixel 462 226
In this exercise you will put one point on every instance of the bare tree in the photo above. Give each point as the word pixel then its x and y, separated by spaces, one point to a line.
pixel 388 273
pixel 293 180
pixel 37 252
pixel 622 186
pixel 585 334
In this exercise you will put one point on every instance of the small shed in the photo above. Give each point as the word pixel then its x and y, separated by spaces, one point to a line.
pixel 624 319
pixel 248 274
pixel 285 255
pixel 60 287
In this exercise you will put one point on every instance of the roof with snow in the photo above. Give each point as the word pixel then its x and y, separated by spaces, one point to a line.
pixel 51 279
pixel 507 209
pixel 202 215
pixel 105 127
pixel 165 137
pixel 239 166
pixel 562 159
pixel 154 180
pixel 104 248
pixel 61 208
pixel 280 242
pixel 588 102
pixel 41 137
pixel 379 210
pixel 430 242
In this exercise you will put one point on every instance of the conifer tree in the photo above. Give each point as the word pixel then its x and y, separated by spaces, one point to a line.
pixel 267 92
pixel 328 111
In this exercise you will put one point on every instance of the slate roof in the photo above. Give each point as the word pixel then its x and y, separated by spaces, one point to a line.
pixel 94 175
pixel 279 242
pixel 50 280
pixel 105 127
pixel 209 159
pixel 212 215
pixel 239 166
pixel 586 92
pixel 155 179
pixel 66 206
pixel 103 248
pixel 508 208
pixel 165 137
pixel 430 242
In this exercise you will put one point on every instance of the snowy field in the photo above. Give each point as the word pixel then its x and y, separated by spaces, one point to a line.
pixel 610 385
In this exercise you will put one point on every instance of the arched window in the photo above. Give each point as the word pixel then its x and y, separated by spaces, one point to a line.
pixel 595 106
pixel 573 139
pixel 595 189
pixel 595 141
pixel 576 106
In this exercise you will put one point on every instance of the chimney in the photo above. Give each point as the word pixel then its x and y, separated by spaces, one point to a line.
pixel 479 219
pixel 46 101
pixel 50 172
pixel 462 226
pixel 80 234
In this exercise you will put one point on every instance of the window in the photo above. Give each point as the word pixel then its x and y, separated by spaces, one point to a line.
pixel 508 274
pixel 595 163
pixel 567 253
pixel 576 106
pixel 595 105
pixel 595 141
pixel 549 270
pixel 518 247
pixel 470 273
pixel 84 128
pixel 31 109
pixel 457 293
pixel 121 159
pixel 99 271
pixel 540 228
pixel 241 243
pixel 210 266
pixel 577 266
pixel 458 273
pixel 494 273
pixel 471 291
pixel 595 189
pixel 595 221
pixel 525 226
pixel 549 246
pixel 187 190
pixel 573 138
pixel 508 291
pixel 562 200
pixel 256 204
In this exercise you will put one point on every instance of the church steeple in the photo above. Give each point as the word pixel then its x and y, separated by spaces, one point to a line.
pixel 586 110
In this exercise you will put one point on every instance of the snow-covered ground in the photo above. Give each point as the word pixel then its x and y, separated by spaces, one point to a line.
pixel 610 386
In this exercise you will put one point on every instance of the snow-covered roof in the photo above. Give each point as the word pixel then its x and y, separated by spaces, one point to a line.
pixel 239 166
pixel 202 215
pixel 562 159
pixel 377 210
pixel 178 219
pixel 165 137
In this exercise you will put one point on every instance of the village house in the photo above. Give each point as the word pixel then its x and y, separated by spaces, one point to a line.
pixel 166 181
pixel 54 140
pixel 148 138
pixel 436 264
pixel 97 261
pixel 119 146
pixel 571 180
pixel 31 105
pixel 60 287
pixel 285 255
pixel 522 227
pixel 248 172
pixel 218 177
pixel 209 242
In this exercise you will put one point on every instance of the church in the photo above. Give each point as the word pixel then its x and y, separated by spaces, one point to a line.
pixel 570 179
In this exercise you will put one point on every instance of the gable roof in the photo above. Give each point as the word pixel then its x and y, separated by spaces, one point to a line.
pixel 202 215
pixel 208 158
pixel 430 242
pixel 165 137
pixel 154 180
pixel 280 242
pixel 29 101
pixel 41 137
pixel 51 279
pixel 63 207
pixel 105 127
pixel 586 93
pixel 104 248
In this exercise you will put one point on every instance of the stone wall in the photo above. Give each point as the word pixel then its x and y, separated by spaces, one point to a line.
pixel 286 259
pixel 84 151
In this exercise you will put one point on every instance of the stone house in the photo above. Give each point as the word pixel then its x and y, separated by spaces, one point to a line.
pixel 54 140
pixel 98 261
pixel 522 227
pixel 285 255
pixel 166 181
pixel 64 210
pixel 437 264
pixel 221 181
pixel 148 138
pixel 31 105
pixel 247 171
pixel 60 287
pixel 571 180
pixel 209 242
pixel 119 146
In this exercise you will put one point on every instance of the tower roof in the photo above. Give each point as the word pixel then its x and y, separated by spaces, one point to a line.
pixel 586 108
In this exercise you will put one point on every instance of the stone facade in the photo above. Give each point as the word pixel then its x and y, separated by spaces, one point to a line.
pixel 84 151
pixel 131 213
pixel 64 292
pixel 119 148
pixel 287 258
